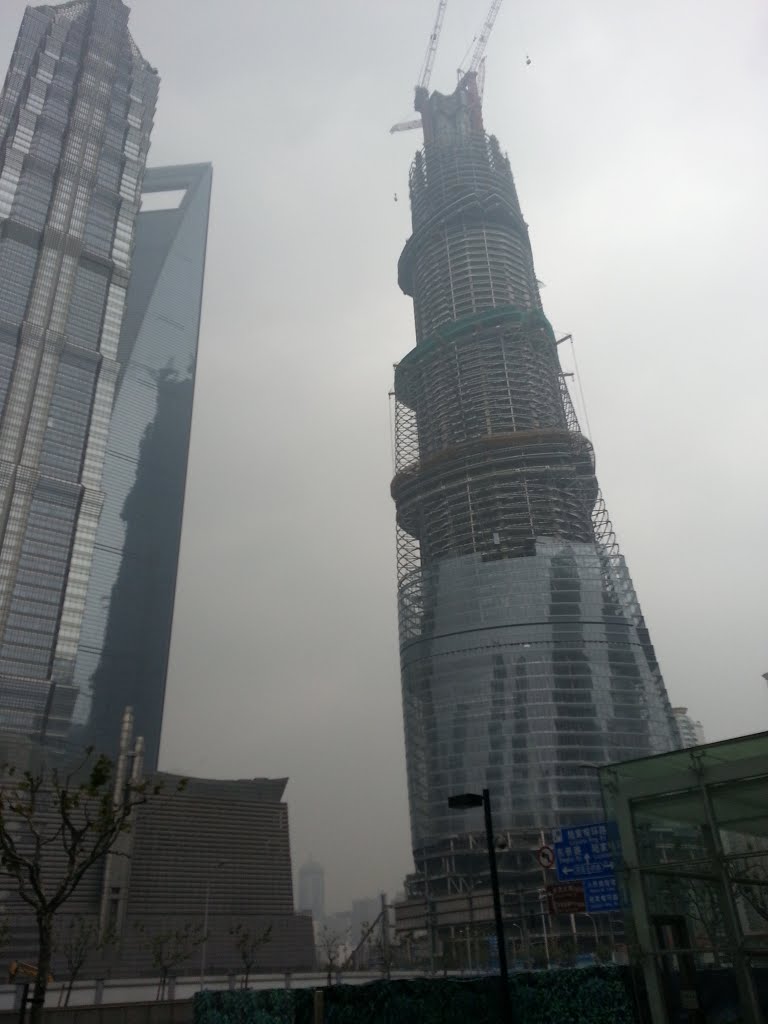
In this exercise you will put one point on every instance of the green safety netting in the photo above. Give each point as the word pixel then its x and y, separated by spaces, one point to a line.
pixel 600 995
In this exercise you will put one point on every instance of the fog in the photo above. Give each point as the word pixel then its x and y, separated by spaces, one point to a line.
pixel 637 138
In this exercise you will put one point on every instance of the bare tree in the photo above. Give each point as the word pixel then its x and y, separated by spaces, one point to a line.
pixel 329 946
pixel 360 956
pixel 374 946
pixel 171 948
pixel 54 828
pixel 703 905
pixel 247 944
pixel 697 903
pixel 749 875
pixel 381 950
pixel 79 938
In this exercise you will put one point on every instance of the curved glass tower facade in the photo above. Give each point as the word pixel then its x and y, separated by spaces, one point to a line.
pixel 122 659
pixel 524 653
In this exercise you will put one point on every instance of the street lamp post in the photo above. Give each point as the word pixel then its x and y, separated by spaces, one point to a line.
pixel 204 944
pixel 594 928
pixel 542 910
pixel 463 801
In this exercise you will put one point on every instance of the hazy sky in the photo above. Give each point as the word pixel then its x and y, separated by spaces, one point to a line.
pixel 637 137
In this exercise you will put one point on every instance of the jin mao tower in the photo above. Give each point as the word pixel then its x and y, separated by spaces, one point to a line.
pixel 76 113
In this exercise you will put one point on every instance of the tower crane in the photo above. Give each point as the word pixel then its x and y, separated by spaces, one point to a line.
pixel 477 63
pixel 426 67
pixel 434 39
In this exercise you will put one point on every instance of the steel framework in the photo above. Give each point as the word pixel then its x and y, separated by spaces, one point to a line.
pixel 523 649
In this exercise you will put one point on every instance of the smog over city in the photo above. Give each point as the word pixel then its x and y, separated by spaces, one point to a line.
pixel 636 137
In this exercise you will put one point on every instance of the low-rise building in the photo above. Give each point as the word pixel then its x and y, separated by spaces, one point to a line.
pixel 205 863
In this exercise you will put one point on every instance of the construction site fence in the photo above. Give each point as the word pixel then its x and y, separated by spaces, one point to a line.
pixel 599 995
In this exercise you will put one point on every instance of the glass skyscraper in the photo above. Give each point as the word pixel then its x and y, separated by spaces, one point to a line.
pixel 75 119
pixel 122 657
pixel 99 318
pixel 525 658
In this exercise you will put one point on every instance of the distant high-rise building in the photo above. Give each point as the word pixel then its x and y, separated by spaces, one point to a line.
pixel 691 733
pixel 122 658
pixel 312 889
pixel 75 119
pixel 525 657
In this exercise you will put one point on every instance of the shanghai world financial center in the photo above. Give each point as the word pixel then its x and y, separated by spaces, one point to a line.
pixel 101 273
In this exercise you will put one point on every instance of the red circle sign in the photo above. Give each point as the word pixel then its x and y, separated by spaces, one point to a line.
pixel 546 857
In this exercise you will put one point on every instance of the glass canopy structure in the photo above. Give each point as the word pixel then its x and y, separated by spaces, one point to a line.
pixel 693 826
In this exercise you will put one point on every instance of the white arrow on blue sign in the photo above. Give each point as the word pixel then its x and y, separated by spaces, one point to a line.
pixel 586 851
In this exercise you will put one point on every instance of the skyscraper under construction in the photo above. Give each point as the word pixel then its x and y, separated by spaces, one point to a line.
pixel 525 658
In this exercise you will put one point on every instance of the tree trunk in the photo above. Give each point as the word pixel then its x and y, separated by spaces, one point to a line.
pixel 44 955
pixel 70 986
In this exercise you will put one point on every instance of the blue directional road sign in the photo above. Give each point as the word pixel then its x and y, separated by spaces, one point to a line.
pixel 586 851
pixel 601 895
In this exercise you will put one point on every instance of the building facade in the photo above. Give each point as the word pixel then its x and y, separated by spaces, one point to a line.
pixel 202 856
pixel 122 657
pixel 219 849
pixel 524 654
pixel 76 113
pixel 691 733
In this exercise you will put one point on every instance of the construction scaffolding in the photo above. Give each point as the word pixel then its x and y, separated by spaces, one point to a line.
pixel 484 458
pixel 524 654
pixel 479 401
pixel 470 250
